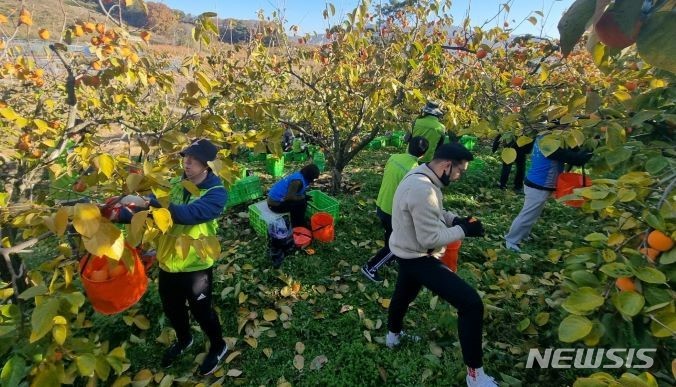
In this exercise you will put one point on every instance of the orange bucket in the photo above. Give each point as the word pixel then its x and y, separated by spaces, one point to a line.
pixel 567 182
pixel 322 226
pixel 450 257
pixel 112 291
pixel 302 237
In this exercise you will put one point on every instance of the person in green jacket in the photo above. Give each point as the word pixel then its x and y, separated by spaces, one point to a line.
pixel 396 168
pixel 186 280
pixel 428 126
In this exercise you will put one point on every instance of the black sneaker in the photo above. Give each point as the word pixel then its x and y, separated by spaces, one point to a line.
pixel 212 359
pixel 373 276
pixel 173 352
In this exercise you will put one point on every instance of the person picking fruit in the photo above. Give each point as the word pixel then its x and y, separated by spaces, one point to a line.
pixel 188 278
pixel 421 229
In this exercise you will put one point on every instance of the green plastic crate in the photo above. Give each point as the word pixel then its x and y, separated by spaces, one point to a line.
pixel 260 215
pixel 321 164
pixel 377 143
pixel 468 141
pixel 275 165
pixel 397 139
pixel 257 156
pixel 244 190
pixel 299 156
pixel 322 202
pixel 318 156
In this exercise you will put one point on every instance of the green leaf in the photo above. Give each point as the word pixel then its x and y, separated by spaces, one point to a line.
pixel 666 325
pixel 584 278
pixel 549 144
pixel 583 301
pixel 651 275
pixel 655 164
pixel 618 156
pixel 33 291
pixel 14 371
pixel 42 318
pixel 593 338
pixel 573 23
pixel 596 237
pixel 542 318
pixel 508 155
pixel 86 364
pixel 523 324
pixel 628 303
pixel 616 270
pixel 668 257
pixel 574 328
pixel 655 42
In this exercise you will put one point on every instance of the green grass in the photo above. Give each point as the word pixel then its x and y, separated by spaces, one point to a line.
pixel 338 314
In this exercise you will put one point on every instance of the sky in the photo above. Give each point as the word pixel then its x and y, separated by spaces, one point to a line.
pixel 307 14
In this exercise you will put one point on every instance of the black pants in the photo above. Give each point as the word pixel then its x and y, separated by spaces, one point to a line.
pixel 438 278
pixel 384 255
pixel 520 163
pixel 296 210
pixel 195 288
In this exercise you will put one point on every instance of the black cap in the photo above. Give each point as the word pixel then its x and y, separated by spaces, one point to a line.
pixel 454 152
pixel 201 149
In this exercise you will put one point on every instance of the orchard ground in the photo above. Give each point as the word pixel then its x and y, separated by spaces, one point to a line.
pixel 318 321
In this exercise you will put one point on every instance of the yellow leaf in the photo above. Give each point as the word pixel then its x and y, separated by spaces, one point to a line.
pixel 141 322
pixel 61 221
pixel 191 187
pixel 133 181
pixel 508 155
pixel 385 302
pixel 615 239
pixel 242 297
pixel 25 17
pixel 232 356
pixel 142 378
pixel 212 247
pixel 59 332
pixel 106 165
pixel 270 315
pixel 300 347
pixel 121 381
pixel 523 140
pixel 253 343
pixel 183 244
pixel 3 19
pixel 138 222
pixel 107 241
pixel 162 218
pixel 86 219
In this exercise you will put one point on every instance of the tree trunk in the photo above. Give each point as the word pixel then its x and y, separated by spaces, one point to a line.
pixel 336 180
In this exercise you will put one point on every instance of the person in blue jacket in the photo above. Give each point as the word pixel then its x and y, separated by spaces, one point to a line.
pixel 539 184
pixel 288 194
pixel 186 282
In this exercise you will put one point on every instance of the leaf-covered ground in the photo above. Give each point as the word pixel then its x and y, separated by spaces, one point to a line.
pixel 318 321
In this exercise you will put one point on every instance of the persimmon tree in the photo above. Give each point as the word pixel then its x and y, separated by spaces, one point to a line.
pixel 54 110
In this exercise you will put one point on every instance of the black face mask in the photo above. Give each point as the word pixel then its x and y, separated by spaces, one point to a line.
pixel 445 178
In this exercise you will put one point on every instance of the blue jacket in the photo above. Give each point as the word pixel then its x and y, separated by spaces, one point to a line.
pixel 544 170
pixel 208 207
pixel 280 188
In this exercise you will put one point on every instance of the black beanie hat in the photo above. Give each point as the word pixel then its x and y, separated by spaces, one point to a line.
pixel 453 152
pixel 201 149
pixel 417 146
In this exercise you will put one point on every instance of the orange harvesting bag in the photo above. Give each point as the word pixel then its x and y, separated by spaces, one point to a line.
pixel 110 286
pixel 450 257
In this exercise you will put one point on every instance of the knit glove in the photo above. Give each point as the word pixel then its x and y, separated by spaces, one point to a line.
pixel 472 227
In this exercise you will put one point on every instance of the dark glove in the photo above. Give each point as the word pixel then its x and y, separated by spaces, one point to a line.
pixel 458 220
pixel 472 227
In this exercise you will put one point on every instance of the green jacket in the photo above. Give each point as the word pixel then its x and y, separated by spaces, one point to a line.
pixel 433 130
pixel 169 244
pixel 396 168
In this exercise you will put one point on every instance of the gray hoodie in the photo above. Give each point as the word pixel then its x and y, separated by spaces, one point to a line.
pixel 420 225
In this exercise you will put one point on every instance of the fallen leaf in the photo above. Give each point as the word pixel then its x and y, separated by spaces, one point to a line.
pixel 234 372
pixel 318 362
pixel 300 348
pixel 299 362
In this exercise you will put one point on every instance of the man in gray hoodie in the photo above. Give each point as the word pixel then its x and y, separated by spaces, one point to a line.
pixel 421 229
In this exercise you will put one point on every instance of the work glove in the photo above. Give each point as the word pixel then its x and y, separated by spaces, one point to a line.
pixel 111 208
pixel 132 201
pixel 458 220
pixel 472 227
